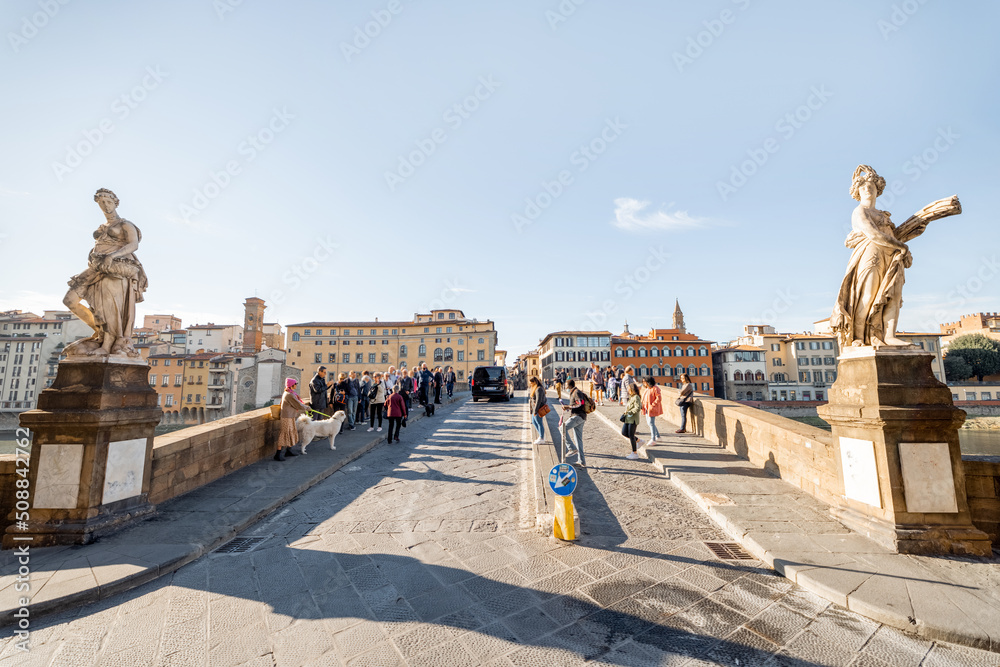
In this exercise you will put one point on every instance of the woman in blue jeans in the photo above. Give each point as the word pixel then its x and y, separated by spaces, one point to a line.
pixel 536 400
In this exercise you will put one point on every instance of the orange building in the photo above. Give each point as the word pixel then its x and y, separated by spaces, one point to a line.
pixel 166 376
pixel 664 354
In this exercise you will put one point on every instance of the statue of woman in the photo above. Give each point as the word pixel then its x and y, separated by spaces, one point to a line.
pixel 112 284
pixel 867 308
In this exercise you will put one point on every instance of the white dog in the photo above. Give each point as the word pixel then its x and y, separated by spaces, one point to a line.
pixel 309 430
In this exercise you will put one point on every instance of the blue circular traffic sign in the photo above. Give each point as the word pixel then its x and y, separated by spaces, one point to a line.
pixel 563 479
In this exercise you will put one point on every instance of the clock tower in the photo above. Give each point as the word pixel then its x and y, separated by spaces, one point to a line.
pixel 253 325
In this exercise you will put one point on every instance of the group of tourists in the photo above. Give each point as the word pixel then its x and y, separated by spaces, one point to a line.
pixel 371 397
pixel 645 399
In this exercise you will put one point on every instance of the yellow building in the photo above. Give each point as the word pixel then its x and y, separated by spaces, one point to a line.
pixel 194 394
pixel 439 338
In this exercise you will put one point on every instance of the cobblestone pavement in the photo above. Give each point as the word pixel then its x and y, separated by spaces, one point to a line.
pixel 423 554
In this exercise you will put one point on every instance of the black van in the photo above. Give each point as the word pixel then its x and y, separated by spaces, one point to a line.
pixel 490 382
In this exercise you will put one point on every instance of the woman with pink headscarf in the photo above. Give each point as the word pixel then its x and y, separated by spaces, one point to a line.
pixel 291 407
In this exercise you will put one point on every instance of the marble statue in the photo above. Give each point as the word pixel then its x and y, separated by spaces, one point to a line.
pixel 867 308
pixel 112 284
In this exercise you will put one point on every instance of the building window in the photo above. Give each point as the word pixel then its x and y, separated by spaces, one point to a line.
pixel 152 380
pixel 295 336
pixel 449 354
pixel 654 351
pixel 319 342
pixel 402 350
pixel 371 357
pixel 629 352
pixel 704 386
pixel 359 358
pixel 987 396
pixel 819 396
pixel 170 400
pixel 461 357
pixel 385 357
pixel 346 358
pixel 738 376
pixel 422 350
pixel 643 352
pixel 480 355
pixel 618 352
pixel 331 358
pixel 438 354
pixel 804 376
pixel 451 316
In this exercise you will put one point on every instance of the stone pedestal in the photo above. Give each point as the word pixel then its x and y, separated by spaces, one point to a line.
pixel 895 432
pixel 91 452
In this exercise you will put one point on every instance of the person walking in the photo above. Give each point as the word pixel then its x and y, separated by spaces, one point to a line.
pixel 317 390
pixel 612 383
pixel 406 388
pixel 438 382
pixel 339 396
pixel 425 384
pixel 632 409
pixel 652 407
pixel 685 401
pixel 577 418
pixel 353 392
pixel 363 397
pixel 539 407
pixel 598 384
pixel 449 380
pixel 627 379
pixel 390 378
pixel 291 407
pixel 376 399
pixel 395 409
pixel 557 385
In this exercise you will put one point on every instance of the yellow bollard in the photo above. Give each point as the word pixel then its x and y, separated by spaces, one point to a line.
pixel 564 527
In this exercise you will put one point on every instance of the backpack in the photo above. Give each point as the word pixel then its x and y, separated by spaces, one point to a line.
pixel 588 404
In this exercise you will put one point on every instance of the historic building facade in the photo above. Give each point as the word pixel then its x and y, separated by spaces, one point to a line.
pixel 572 352
pixel 439 338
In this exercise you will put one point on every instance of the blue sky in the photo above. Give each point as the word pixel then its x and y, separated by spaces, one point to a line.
pixel 547 165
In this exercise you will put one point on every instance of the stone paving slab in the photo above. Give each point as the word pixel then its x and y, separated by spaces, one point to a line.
pixel 183 529
pixel 954 599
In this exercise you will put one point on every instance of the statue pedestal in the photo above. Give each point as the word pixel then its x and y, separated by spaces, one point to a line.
pixel 91 452
pixel 895 433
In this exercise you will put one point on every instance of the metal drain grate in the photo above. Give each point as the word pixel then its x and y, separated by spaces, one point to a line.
pixel 729 551
pixel 242 545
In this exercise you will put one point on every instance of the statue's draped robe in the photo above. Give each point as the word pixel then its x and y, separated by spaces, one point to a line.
pixel 112 294
pixel 872 267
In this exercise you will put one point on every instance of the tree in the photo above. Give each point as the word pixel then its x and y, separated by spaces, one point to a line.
pixel 956 368
pixel 982 354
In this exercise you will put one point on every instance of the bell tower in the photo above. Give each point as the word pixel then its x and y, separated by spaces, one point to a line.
pixel 678 317
pixel 253 325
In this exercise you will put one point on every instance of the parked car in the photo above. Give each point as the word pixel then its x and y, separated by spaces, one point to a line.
pixel 490 382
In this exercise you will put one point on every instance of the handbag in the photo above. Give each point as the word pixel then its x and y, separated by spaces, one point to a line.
pixel 544 410
pixel 622 418
pixel 624 428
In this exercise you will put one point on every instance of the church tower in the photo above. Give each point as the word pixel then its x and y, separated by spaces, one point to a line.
pixel 253 325
pixel 678 317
